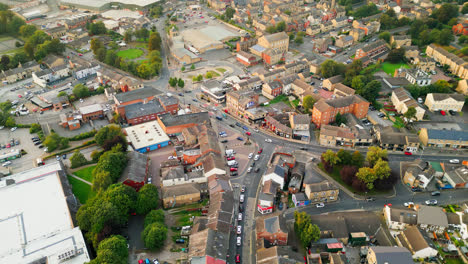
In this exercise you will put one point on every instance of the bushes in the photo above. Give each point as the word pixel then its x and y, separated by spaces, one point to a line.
pixel 83 135
pixel 54 141
pixel 155 232
pixel 78 159
pixel 35 128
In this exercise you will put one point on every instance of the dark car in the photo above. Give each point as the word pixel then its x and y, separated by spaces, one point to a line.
pixel 452 112
pixel 231 125
pixel 224 141
pixel 370 199
pixel 41 146
pixel 280 206
pixel 241 207
pixel 257 170
pixel 180 241
pixel 238 124
pixel 240 139
pixel 195 100
pixel 234 173
pixel 64 156
pixel 416 189
pixel 37 143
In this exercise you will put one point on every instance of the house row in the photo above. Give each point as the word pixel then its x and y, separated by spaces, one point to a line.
pixel 457 65
pixel 21 72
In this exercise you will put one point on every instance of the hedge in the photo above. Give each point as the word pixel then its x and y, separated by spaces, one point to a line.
pixel 83 135
pixel 86 144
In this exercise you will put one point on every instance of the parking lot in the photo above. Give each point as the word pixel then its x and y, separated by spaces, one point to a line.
pixel 156 157
pixel 33 152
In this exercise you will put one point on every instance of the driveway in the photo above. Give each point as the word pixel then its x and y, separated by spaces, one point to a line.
pixel 156 157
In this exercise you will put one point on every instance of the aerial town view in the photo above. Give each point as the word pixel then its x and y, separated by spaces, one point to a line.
pixel 233 131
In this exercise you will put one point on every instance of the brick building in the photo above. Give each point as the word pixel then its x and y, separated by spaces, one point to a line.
pixel 140 113
pixel 174 124
pixel 169 103
pixel 372 51
pixel 143 95
pixel 91 112
pixel 273 229
pixel 325 111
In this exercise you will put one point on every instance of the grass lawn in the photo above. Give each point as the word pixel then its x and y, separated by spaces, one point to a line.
pixel 390 68
pixel 279 98
pixel 141 45
pixel 5 38
pixel 130 53
pixel 399 123
pixel 12 51
pixel 215 74
pixel 185 219
pixel 81 190
pixel 221 70
pixel 86 173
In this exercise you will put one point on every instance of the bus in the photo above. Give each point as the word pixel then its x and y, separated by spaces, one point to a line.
pixel 14 154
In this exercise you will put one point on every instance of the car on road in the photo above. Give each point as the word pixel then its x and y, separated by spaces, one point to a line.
pixel 155 261
pixel 240 139
pixel 245 128
pixel 256 130
pixel 224 141
pixel 81 100
pixel 234 173
pixel 416 189
pixel 238 124
pixel 239 217
pixel 239 241
pixel 241 198
pixel 280 206
pixel 2 127
pixel 408 153
pixel 243 189
pixel 140 261
pixel 171 157
pixel 442 112
pixel 256 157
pixel 8 145
pixel 257 170
pixel 180 241
pixel 6 163
pixel 222 133
pixel 195 100
pixel 408 204
pixel 233 169
pixel 248 133
pixel 237 258
pixel 241 207
pixel 454 161
pixel 431 202
pixel 268 140
pixel 13 129
pixel 452 112
pixel 435 193
pixel 260 151
pixel 249 169
pixel 320 205
pixel 181 94
pixel 57 157
pixel 239 230
pixel 250 155
pixel 370 199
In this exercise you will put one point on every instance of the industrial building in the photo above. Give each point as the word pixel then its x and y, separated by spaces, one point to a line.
pixel 102 5
pixel 147 136
pixel 36 223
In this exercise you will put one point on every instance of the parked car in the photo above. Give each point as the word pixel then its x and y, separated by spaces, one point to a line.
pixel 240 139
pixel 239 230
pixel 257 170
pixel 435 193
pixel 452 112
pixel 256 157
pixel 408 204
pixel 241 207
pixel 224 141
pixel 234 173
pixel 408 153
pixel 431 202
pixel 233 169
pixel 40 146
pixel 280 206
pixel 442 112
pixel 238 124
pixel 239 217
pixel 239 241
pixel 243 189
pixel 248 133
pixel 260 151
pixel 231 125
pixel 13 129
pixel 6 163
pixel 241 198
pixel 237 258
pixel 268 140
pixel 249 169
pixel 180 241
pixel 250 155
pixel 231 158
pixel 8 145
pixel 370 199
pixel 454 161
pixel 320 205
pixel 245 128
pixel 147 261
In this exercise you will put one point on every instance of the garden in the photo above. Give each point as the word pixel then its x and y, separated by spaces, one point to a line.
pixel 81 190
pixel 85 173
pixel 130 54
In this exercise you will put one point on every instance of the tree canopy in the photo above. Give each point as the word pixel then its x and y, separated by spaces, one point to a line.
pixel 330 68
pixel 148 199
pixel 304 229
pixel 375 153
pixel 112 250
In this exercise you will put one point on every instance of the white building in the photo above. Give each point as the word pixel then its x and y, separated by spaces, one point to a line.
pixel 36 223
pixel 416 76
pixel 275 174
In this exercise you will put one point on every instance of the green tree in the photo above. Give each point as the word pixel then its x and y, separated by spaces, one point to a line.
pixel 358 82
pixel 180 83
pixel 345 157
pixel 144 71
pixel 110 57
pixel 229 13
pixel 128 35
pixel 308 103
pixel 367 176
pixel 62 93
pixel 374 154
pixel 80 91
pixel 96 44
pixel 148 199
pixel 463 39
pixel 209 75
pixel 445 37
pixel 173 81
pixel 192 67
pixel 464 9
pixel 331 157
pixel 27 30
pixel 112 250
pixel 113 162
pixel 445 13
pixel 309 234
pixel 331 68
pixel 199 77
pixel 35 128
pixel 182 69
pixel 385 36
pixel 154 42
pixel 95 155
pixel 101 181
pixel 410 113
pixel 52 141
pixel 97 28
pixel 271 29
pixel 340 119
pixel 78 159
pixel 154 216
pixel 154 236
pixel 382 169
pixel 299 40
pixel 108 134
pixel 464 50
pixel 281 26
pixel 357 159
pixel 370 90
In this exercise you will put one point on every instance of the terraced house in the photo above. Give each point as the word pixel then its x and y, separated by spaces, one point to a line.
pixel 457 65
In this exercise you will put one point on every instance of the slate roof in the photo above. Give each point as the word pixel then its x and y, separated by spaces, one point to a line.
pixel 432 215
pixel 443 96
pixel 392 255
pixel 374 45
pixel 447 134
pixel 136 167
pixel 137 94
pixel 193 118
pixel 403 215
pixel 276 37
pixel 336 79
pixel 140 109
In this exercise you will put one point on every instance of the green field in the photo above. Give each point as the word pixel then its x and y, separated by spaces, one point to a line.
pixel 390 68
pixel 81 190
pixel 215 74
pixel 221 70
pixel 130 53
pixel 86 173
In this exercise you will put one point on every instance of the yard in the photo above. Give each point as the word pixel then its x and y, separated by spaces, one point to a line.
pixel 280 98
pixel 398 123
pixel 130 53
pixel 390 68
pixel 81 190
pixel 86 173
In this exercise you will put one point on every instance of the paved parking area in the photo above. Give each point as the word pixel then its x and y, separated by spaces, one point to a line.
pixel 33 152
pixel 158 156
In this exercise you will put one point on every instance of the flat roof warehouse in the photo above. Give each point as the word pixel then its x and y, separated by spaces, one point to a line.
pixel 146 134
pixel 106 4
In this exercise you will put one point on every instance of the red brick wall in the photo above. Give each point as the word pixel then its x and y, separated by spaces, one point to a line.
pixel 92 116
pixel 142 119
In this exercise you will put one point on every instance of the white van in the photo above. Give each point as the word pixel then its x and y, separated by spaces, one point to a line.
pixel 232 163
pixel 230 152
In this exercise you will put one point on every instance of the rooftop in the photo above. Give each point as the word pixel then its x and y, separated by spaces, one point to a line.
pixel 136 167
pixel 90 109
pixel 140 109
pixel 146 134
pixel 176 120
pixel 37 196
pixel 392 255
pixel 447 134
pixel 136 94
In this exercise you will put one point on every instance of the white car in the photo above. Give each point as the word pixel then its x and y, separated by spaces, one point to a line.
pixel 13 129
pixel 2 127
pixel 6 163
pixel 256 130
pixel 320 205
pixel 46 149
pixel 249 169
pixel 239 241
pixel 250 155
pixel 150 180
pixel 239 230
pixel 81 100
pixel 239 217
pixel 454 161
pixel 268 140
pixel 408 204
pixel 241 198
pixel 257 157
pixel 172 157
